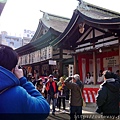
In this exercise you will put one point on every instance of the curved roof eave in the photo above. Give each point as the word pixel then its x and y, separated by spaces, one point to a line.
pixel 38 31
pixel 35 45
pixel 71 24
pixel 111 24
pixel 102 22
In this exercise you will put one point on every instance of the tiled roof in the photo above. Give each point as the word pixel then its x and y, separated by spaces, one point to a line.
pixel 48 21
pixel 56 22
pixel 96 12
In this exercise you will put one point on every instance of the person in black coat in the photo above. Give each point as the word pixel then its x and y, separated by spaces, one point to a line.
pixel 107 99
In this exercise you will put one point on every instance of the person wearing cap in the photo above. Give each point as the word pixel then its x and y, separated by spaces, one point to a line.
pixel 51 88
pixel 40 86
pixel 76 86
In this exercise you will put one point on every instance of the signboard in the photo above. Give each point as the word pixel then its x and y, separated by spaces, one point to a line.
pixel 20 60
pixel 110 61
pixel 23 60
pixel 28 33
pixel 49 52
pixel 26 59
pixel 42 54
pixel 71 69
pixel 37 56
pixel 52 62
pixel 31 58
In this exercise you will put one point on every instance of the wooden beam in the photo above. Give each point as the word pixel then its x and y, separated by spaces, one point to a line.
pixel 83 37
pixel 95 39
pixel 94 62
pixel 94 68
pixel 110 40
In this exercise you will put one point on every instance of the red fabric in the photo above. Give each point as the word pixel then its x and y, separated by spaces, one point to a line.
pixel 53 84
pixel 110 68
pixel 43 77
pixel 89 94
pixel 80 66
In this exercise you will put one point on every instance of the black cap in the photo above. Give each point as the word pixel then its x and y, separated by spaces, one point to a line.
pixel 50 75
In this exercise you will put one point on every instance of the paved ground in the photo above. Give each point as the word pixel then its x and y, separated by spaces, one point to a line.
pixel 60 115
pixel 65 116
pixel 88 114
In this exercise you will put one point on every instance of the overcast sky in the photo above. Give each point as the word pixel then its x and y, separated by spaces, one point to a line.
pixel 18 15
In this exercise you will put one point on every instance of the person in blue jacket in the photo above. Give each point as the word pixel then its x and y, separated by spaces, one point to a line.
pixel 17 95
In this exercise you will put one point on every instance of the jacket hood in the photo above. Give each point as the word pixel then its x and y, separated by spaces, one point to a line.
pixel 7 79
pixel 112 84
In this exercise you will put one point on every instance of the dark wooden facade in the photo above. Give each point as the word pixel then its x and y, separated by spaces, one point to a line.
pixel 90 29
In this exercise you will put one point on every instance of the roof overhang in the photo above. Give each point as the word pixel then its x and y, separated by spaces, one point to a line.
pixel 40 43
pixel 71 37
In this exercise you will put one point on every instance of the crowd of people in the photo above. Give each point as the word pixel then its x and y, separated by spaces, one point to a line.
pixel 58 93
pixel 100 78
pixel 24 94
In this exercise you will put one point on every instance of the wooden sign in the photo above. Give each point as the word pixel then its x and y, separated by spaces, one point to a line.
pixel 110 61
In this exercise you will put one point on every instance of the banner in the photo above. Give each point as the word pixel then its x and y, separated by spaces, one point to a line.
pixel 89 94
pixel 71 69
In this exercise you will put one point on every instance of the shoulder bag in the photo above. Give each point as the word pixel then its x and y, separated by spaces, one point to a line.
pixel 84 103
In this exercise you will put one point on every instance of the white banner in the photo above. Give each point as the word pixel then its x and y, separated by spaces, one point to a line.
pixel 49 52
pixel 71 69
pixel 90 66
pixel 37 56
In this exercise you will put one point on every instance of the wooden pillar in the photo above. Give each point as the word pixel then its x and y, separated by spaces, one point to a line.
pixel 60 63
pixel 119 53
pixel 94 60
pixel 75 64
pixel 94 68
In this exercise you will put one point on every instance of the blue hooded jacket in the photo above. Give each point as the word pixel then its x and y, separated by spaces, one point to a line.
pixel 20 96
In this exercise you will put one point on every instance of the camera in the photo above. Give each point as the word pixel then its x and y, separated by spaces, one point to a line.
pixel 20 67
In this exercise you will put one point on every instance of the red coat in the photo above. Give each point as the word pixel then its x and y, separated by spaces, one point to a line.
pixel 54 84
